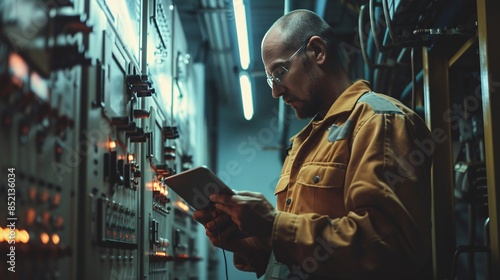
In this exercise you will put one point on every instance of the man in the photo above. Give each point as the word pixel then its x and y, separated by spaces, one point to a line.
pixel 353 198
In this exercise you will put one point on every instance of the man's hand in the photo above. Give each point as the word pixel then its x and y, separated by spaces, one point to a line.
pixel 250 211
pixel 222 231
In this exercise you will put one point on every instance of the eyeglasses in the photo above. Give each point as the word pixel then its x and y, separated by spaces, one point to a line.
pixel 277 74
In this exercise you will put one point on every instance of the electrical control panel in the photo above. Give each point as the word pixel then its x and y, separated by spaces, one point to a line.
pixel 98 104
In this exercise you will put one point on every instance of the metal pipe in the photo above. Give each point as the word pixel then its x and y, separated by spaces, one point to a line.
pixel 436 102
pixel 320 7
pixel 173 64
pixel 288 4
pixel 408 88
pixel 489 55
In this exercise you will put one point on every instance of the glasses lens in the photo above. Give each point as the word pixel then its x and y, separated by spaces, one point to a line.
pixel 278 75
pixel 275 77
pixel 270 81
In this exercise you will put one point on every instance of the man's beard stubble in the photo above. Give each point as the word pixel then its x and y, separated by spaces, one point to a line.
pixel 311 108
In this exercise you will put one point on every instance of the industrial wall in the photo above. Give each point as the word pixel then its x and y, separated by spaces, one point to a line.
pixel 100 101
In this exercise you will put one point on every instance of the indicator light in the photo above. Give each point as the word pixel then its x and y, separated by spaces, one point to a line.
pixel 183 206
pixel 44 237
pixel 55 238
pixel 30 216
pixel 24 236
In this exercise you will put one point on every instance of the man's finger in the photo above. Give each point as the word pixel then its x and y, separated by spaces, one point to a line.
pixel 205 215
pixel 220 221
pixel 225 208
pixel 221 235
pixel 247 193
pixel 221 198
pixel 202 216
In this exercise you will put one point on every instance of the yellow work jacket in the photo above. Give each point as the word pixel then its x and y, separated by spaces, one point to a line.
pixel 354 194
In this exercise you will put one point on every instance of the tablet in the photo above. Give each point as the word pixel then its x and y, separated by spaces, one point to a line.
pixel 196 185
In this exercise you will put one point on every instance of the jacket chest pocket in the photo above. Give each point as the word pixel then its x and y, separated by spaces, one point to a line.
pixel 320 189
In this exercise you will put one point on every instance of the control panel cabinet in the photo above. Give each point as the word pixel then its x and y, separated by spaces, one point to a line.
pixel 97 107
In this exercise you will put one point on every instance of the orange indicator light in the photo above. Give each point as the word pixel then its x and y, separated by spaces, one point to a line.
pixel 55 238
pixel 44 237
pixel 24 236
pixel 183 206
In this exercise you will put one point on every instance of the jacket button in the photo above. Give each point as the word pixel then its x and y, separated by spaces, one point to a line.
pixel 316 179
pixel 288 201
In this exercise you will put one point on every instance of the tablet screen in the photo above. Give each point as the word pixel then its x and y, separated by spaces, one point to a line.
pixel 196 185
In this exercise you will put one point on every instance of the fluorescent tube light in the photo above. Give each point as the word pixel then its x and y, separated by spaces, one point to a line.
pixel 246 96
pixel 242 33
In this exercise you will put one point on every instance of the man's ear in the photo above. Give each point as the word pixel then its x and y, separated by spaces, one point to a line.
pixel 319 47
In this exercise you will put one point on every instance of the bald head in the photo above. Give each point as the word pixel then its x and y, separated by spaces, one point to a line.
pixel 293 29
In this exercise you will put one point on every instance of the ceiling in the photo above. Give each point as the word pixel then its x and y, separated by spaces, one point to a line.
pixel 209 28
pixel 210 31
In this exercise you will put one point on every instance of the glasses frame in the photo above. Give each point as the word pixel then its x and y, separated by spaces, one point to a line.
pixel 276 76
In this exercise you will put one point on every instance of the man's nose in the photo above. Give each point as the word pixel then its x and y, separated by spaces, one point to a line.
pixel 277 91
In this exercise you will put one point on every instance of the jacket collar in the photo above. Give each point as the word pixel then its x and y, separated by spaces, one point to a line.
pixel 344 104
pixel 347 100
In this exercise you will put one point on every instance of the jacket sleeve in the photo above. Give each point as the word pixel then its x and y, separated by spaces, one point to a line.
pixel 386 231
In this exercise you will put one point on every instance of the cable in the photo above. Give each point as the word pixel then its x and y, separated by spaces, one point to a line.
pixel 413 82
pixel 371 10
pixel 388 21
pixel 360 34
pixel 220 241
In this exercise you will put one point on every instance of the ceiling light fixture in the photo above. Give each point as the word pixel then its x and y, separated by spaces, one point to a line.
pixel 244 52
pixel 242 33
pixel 246 96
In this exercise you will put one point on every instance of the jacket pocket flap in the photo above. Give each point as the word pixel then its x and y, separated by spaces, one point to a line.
pixel 282 184
pixel 321 175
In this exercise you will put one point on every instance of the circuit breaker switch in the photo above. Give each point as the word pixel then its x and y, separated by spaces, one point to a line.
pixel 138 133
pixel 141 114
pixel 140 85
pixel 120 121
pixel 154 234
pixel 130 127
pixel 127 176
pixel 170 132
pixel 169 153
pixel 70 24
